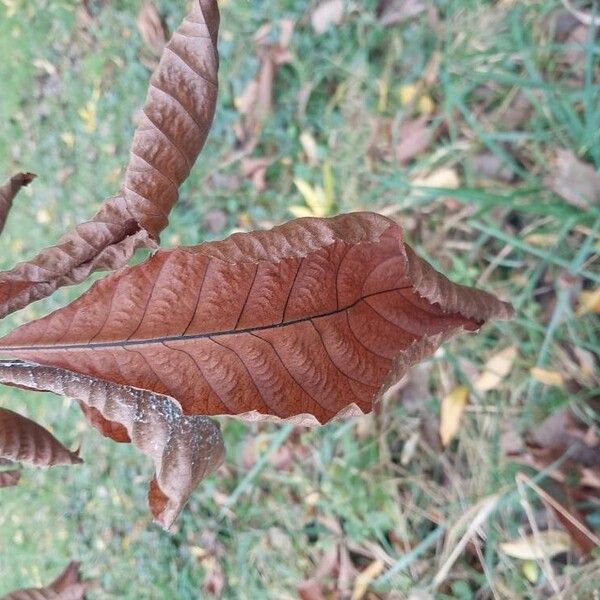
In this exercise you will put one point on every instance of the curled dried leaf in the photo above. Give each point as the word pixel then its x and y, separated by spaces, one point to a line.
pixel 313 319
pixel 183 449
pixel 24 440
pixel 9 190
pixel 175 122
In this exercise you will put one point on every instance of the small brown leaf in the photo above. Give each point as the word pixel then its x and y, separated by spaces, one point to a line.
pixel 573 180
pixel 9 190
pixel 414 137
pixel 23 440
pixel 10 478
pixel 151 28
pixel 67 586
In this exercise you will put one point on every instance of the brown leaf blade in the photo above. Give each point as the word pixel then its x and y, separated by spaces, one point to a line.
pixel 176 118
pixel 315 318
pixel 183 449
pixel 9 190
pixel 67 586
pixel 24 440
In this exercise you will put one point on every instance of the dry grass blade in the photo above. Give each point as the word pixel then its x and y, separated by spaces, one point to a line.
pixel 176 119
pixel 183 449
pixel 23 440
pixel 9 190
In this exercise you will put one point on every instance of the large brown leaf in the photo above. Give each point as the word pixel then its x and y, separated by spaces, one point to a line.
pixel 314 318
pixel 183 449
pixel 23 440
pixel 67 586
pixel 175 121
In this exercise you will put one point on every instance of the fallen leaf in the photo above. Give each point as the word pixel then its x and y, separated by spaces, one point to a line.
pixel 175 121
pixel 23 440
pixel 545 544
pixel 453 406
pixel 327 14
pixel 573 180
pixel 444 177
pixel 151 28
pixel 184 449
pixel 67 586
pixel 414 137
pixel 491 166
pixel 9 190
pixel 560 432
pixel 496 369
pixel 393 12
pixel 10 477
pixel 315 318
pixel 547 377
pixel 365 578
pixel 589 301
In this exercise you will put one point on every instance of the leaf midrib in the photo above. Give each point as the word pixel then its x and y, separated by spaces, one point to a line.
pixel 196 336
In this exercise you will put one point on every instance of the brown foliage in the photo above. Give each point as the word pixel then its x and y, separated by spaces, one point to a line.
pixel 313 319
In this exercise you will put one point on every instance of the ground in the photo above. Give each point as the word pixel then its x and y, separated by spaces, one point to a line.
pixel 462 120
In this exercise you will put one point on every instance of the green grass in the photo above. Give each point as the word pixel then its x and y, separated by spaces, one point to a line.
pixel 272 524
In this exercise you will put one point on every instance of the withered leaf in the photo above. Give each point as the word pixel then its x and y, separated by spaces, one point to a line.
pixel 9 190
pixel 151 28
pixel 414 137
pixel 10 477
pixel 67 586
pixel 24 440
pixel 183 449
pixel 575 181
pixel 174 125
pixel 315 318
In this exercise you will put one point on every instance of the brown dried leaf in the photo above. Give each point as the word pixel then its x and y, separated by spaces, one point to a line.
pixel 560 432
pixel 414 137
pixel 315 318
pixel 23 440
pixel 255 103
pixel 67 586
pixel 176 119
pixel 184 449
pixel 9 190
pixel 575 181
pixel 10 478
pixel 151 28
pixel 393 12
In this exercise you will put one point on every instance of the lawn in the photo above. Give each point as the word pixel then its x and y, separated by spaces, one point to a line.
pixel 464 121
